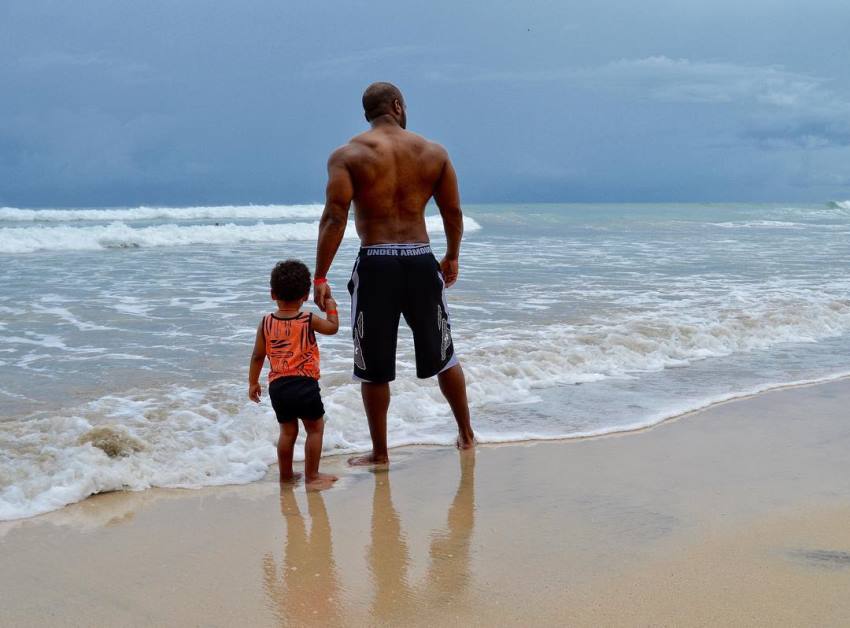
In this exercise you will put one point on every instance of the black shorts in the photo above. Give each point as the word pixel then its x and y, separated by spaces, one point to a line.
pixel 296 398
pixel 390 280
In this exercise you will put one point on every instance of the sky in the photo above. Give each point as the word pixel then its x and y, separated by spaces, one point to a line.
pixel 199 102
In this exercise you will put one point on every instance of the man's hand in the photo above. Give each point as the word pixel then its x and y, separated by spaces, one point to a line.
pixel 254 391
pixel 449 268
pixel 321 294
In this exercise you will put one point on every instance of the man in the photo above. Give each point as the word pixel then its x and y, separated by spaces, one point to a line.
pixel 390 174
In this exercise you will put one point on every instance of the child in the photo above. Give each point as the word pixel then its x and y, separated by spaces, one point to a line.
pixel 286 337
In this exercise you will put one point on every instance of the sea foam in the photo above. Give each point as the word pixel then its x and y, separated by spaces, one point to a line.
pixel 651 318
pixel 192 436
pixel 215 212
pixel 120 235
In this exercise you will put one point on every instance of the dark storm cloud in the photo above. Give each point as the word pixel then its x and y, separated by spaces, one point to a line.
pixel 199 102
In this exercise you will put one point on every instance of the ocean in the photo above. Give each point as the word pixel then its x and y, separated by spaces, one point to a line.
pixel 133 327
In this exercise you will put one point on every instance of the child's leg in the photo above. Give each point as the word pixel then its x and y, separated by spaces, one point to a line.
pixel 285 449
pixel 313 453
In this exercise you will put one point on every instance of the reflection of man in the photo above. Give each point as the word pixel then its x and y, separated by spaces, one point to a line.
pixel 448 575
pixel 388 556
pixel 390 174
pixel 449 571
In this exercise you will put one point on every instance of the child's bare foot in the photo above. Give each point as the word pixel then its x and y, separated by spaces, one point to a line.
pixel 291 477
pixel 368 459
pixel 320 482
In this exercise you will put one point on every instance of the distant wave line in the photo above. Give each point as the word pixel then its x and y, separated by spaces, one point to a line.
pixel 119 235
pixel 213 212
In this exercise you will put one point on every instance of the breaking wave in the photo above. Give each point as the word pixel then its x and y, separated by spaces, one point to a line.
pixel 118 235
pixel 216 212
pixel 192 436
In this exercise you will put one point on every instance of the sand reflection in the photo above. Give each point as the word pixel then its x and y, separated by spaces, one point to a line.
pixel 388 554
pixel 447 578
pixel 307 590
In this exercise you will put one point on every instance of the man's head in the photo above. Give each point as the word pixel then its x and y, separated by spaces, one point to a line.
pixel 290 281
pixel 382 99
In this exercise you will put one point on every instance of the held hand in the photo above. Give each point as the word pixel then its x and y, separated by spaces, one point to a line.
pixel 254 391
pixel 330 304
pixel 321 293
pixel 449 268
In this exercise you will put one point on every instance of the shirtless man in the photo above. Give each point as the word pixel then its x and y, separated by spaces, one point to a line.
pixel 390 174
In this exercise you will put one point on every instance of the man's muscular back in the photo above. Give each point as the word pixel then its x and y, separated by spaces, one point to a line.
pixel 389 174
pixel 394 173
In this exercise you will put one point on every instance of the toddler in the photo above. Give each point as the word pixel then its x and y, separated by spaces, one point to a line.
pixel 287 337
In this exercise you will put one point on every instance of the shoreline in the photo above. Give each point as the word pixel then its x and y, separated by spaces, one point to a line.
pixel 636 428
pixel 624 430
pixel 734 516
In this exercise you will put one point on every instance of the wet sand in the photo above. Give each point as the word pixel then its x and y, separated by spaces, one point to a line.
pixel 736 515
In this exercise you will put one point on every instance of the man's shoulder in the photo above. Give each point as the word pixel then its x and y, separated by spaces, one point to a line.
pixel 366 143
pixel 431 150
pixel 356 145
pixel 438 149
pixel 424 142
pixel 343 154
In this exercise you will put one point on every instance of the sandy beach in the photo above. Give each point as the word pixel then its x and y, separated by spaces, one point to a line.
pixel 735 515
pixel 580 270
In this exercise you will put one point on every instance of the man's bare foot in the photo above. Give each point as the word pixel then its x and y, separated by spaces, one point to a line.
pixel 291 478
pixel 465 442
pixel 320 482
pixel 368 459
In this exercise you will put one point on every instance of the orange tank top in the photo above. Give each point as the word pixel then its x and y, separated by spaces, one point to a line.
pixel 291 346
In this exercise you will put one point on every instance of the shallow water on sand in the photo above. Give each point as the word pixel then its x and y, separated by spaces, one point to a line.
pixel 569 320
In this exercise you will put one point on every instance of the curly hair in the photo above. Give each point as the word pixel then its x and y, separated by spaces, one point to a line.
pixel 290 280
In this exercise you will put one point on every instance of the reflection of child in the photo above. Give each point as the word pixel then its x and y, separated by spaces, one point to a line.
pixel 287 337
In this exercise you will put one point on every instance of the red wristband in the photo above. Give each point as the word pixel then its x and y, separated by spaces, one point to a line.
pixel 331 312
pixel 320 280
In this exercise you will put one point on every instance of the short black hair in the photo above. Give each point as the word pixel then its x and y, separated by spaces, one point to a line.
pixel 290 280
pixel 378 99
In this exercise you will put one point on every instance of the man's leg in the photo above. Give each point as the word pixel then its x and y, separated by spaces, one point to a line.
pixel 375 287
pixel 453 387
pixel 376 401
pixel 426 312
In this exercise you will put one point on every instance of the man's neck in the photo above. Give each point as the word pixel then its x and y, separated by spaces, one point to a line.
pixel 385 121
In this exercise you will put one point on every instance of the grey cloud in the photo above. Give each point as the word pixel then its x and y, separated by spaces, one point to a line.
pixel 59 58
pixel 60 61
pixel 805 131
pixel 787 108
pixel 664 79
pixel 685 81
pixel 192 101
pixel 80 147
pixel 343 65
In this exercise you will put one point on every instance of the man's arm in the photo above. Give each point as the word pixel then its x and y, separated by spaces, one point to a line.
pixel 330 325
pixel 338 195
pixel 448 201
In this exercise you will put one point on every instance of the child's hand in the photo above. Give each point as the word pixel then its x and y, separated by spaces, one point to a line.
pixel 330 304
pixel 254 391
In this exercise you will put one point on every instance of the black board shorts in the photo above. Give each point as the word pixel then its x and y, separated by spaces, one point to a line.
pixel 389 281
pixel 296 397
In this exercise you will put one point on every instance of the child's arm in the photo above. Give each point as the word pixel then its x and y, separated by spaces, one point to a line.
pixel 330 325
pixel 258 357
